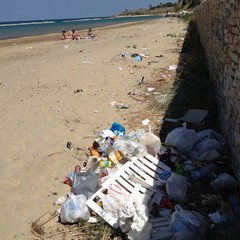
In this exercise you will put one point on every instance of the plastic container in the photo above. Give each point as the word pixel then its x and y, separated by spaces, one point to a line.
pixel 203 172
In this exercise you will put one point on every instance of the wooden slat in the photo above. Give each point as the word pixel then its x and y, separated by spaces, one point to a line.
pixel 158 163
pixel 141 168
pixel 153 168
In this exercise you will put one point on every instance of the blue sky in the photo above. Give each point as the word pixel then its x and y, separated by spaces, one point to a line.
pixel 17 10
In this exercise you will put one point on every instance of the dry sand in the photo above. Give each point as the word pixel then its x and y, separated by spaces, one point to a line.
pixel 53 92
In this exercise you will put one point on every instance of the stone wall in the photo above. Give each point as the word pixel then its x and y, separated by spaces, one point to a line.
pixel 218 23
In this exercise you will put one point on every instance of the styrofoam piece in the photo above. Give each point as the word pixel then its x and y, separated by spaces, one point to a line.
pixel 146 170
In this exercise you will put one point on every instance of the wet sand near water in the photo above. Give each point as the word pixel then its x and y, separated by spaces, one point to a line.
pixel 54 91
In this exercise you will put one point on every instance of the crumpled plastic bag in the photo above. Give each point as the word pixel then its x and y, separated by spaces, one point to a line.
pixel 176 187
pixel 188 221
pixel 203 148
pixel 115 199
pixel 183 139
pixel 74 209
pixel 141 227
pixel 129 148
pixel 224 181
pixel 211 134
pixel 125 217
pixel 85 183
pixel 151 141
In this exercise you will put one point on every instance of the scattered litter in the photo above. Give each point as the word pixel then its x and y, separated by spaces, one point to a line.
pixel 60 200
pixel 120 68
pixel 126 54
pixel 150 89
pixel 145 122
pixel 215 217
pixel 132 45
pixel 172 67
pixel 191 116
pixel 135 182
pixel 78 90
pixel 138 58
pixel 74 209
pixel 89 62
pixel 161 98
pixel 142 81
pixel 37 227
pixel 66 46
pixel 92 220
pixel 122 105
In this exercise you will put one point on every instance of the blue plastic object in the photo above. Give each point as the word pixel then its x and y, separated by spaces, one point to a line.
pixel 117 128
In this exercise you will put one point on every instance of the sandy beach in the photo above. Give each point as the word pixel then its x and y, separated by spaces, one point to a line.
pixel 54 91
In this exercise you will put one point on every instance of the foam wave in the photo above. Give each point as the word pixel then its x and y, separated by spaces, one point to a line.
pixel 83 20
pixel 25 23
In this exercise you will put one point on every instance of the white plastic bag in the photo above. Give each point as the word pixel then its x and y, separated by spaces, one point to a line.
pixel 74 208
pixel 224 180
pixel 125 216
pixel 188 221
pixel 177 187
pixel 141 226
pixel 203 148
pixel 116 199
pixel 183 139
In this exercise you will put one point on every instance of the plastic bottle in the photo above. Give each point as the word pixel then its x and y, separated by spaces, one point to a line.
pixel 107 164
pixel 203 172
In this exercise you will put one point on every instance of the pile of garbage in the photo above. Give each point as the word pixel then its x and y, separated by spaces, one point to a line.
pixel 144 186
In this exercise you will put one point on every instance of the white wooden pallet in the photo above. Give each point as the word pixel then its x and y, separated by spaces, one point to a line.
pixel 145 171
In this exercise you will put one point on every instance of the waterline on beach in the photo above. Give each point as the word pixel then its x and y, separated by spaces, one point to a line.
pixel 9 30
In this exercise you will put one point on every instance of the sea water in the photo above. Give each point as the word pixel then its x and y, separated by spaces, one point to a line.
pixel 35 28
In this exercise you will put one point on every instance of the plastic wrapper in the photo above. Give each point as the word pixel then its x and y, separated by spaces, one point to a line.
pixel 188 221
pixel 183 139
pixel 151 141
pixel 85 183
pixel 74 209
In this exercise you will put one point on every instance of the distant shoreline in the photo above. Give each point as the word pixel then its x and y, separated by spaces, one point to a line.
pixel 56 36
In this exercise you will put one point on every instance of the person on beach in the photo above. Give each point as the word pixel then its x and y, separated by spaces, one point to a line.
pixel 75 36
pixel 64 35
pixel 90 34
